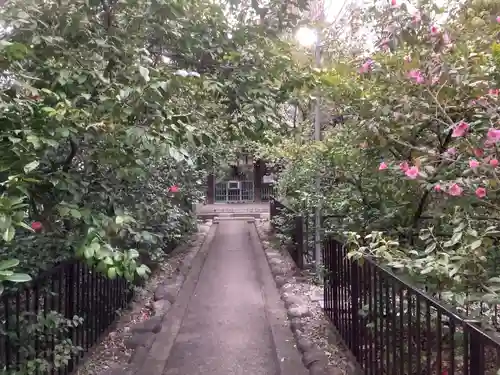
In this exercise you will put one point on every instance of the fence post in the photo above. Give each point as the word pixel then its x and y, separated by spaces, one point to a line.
pixel 476 347
pixel 272 211
pixel 299 241
pixel 71 289
pixel 354 283
pixel 334 279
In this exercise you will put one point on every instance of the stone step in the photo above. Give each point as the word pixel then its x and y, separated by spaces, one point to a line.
pixel 213 215
pixel 228 217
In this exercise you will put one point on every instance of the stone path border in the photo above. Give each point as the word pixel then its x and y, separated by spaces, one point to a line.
pixel 144 334
pixel 288 358
pixel 283 270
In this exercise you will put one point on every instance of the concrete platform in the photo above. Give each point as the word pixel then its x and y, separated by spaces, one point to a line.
pixel 211 211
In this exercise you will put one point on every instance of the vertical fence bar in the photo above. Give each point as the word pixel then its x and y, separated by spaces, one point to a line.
pixel 354 281
pixel 272 212
pixel 6 304
pixel 476 350
pixel 18 325
pixel 299 241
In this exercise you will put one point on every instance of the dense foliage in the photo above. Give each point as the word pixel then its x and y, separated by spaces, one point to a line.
pixel 112 111
pixel 414 167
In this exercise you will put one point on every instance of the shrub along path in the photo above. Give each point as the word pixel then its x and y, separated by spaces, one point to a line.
pixel 228 317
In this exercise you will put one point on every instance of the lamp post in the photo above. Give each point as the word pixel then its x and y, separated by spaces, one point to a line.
pixel 317 138
pixel 309 37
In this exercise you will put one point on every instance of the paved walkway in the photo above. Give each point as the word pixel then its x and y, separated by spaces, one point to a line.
pixel 234 323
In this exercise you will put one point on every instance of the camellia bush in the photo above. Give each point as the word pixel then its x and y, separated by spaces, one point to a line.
pixel 413 169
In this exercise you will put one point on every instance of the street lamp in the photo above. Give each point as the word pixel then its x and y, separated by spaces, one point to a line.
pixel 309 37
pixel 306 36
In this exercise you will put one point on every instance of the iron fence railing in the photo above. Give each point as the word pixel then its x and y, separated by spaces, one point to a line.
pixel 266 192
pixel 50 322
pixel 393 328
pixel 291 226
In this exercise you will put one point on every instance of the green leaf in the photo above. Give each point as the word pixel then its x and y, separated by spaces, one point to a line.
pixel 19 278
pixel 144 73
pixel 31 166
pixel 142 270
pixel 76 213
pixel 34 140
pixel 5 222
pixel 112 273
pixel 429 249
pixel 9 234
pixel 10 263
pixel 23 15
pixel 459 228
pixel 64 210
pixel 476 244
pixel 88 252
pixel 133 254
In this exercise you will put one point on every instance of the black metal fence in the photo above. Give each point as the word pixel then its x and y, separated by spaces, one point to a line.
pixel 47 325
pixel 291 226
pixel 393 328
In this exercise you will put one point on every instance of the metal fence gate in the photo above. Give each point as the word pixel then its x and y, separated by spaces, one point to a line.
pixel 234 192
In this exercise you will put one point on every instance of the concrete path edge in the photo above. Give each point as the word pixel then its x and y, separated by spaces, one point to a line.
pixel 151 357
pixel 288 356
pixel 313 358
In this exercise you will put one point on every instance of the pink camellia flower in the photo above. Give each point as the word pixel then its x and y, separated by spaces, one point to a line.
pixel 460 129
pixel 366 67
pixel 493 92
pixel 498 19
pixel 404 166
pixel 473 163
pixel 36 226
pixel 382 166
pixel 412 173
pixel 437 187
pixel 416 75
pixel 394 3
pixel 434 29
pixel 478 152
pixel 494 163
pixel 493 135
pixel 446 39
pixel 173 189
pixel 455 190
pixel 480 192
pixel 451 151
